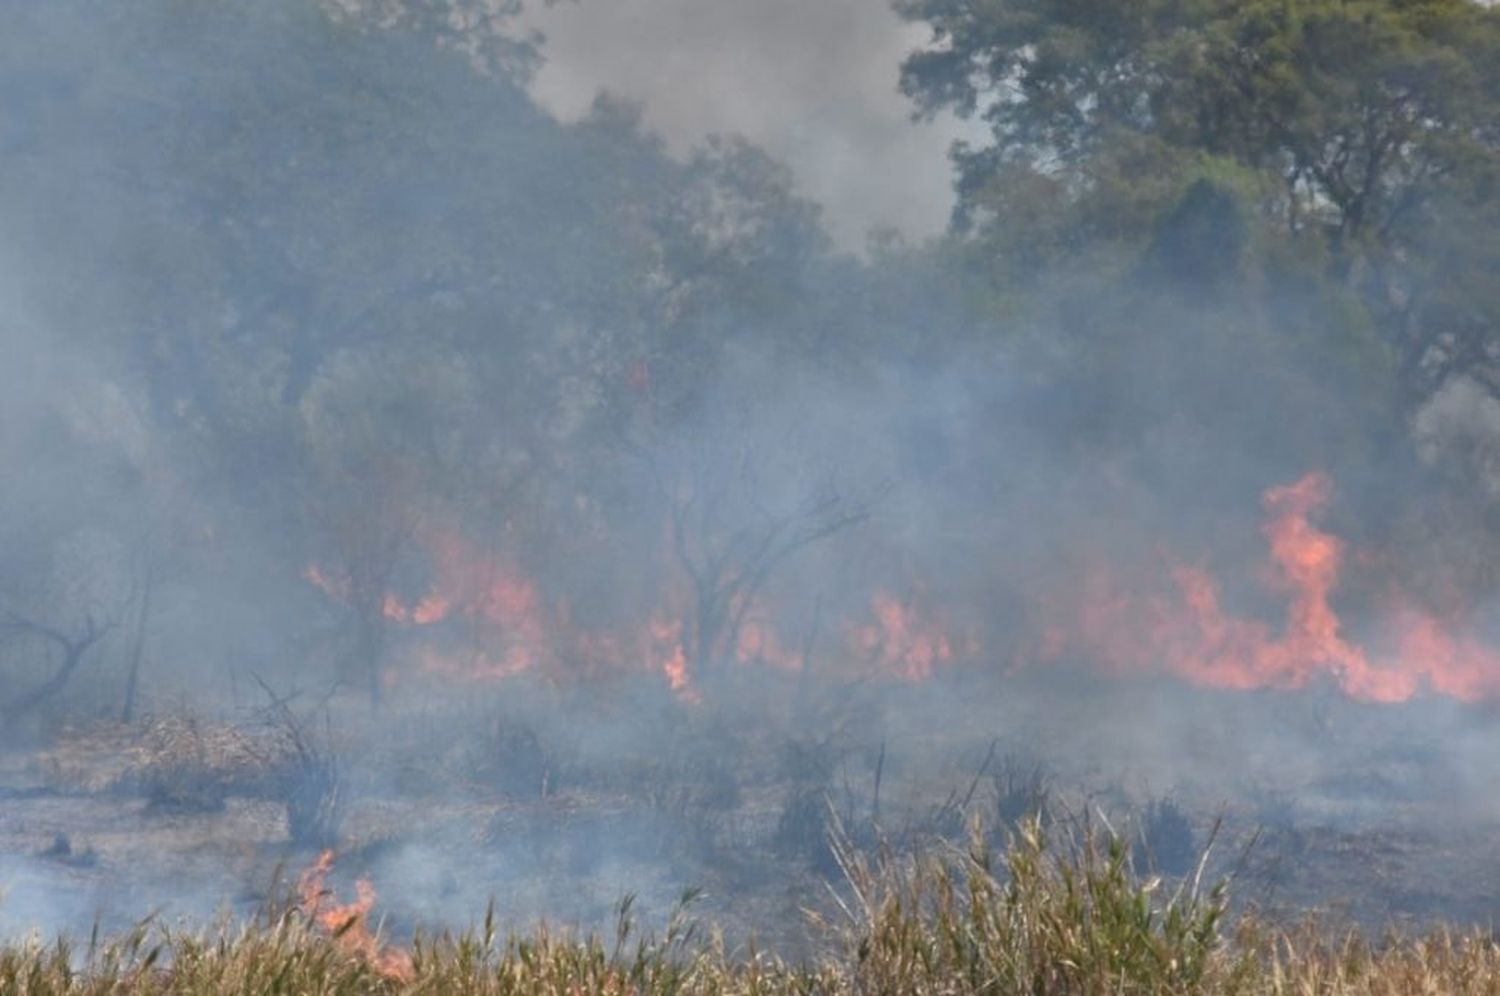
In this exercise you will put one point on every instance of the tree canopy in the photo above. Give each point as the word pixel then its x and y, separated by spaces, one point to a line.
pixel 305 280
pixel 1361 136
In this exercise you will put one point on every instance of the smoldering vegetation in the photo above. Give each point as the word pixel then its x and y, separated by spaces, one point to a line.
pixel 530 516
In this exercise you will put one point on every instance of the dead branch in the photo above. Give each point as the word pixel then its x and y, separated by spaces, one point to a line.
pixel 72 646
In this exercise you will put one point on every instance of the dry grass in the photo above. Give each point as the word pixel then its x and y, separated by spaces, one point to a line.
pixel 166 755
pixel 1047 917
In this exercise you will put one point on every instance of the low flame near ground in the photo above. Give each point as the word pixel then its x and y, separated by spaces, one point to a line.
pixel 349 923
pixel 514 629
pixel 1175 624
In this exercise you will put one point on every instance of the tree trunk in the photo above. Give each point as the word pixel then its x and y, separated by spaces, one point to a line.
pixel 72 657
pixel 137 650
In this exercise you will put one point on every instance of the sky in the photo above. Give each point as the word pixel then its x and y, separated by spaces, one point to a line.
pixel 814 82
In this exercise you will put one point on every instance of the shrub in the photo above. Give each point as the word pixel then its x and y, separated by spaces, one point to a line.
pixel 1166 842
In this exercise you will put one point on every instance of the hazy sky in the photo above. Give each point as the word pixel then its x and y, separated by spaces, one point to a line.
pixel 812 81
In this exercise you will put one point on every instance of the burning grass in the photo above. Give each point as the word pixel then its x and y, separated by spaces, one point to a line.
pixel 1048 917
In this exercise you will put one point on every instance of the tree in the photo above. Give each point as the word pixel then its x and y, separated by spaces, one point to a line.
pixel 60 597
pixel 382 430
pixel 66 649
pixel 741 500
pixel 68 520
pixel 483 30
pixel 1365 132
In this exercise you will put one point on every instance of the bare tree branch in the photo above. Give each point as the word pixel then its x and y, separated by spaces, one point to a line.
pixel 73 647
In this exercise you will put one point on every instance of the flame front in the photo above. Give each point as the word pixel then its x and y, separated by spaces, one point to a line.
pixel 482 618
pixel 901 642
pixel 1191 635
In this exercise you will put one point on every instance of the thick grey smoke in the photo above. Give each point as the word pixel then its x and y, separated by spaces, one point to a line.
pixel 280 293
pixel 813 83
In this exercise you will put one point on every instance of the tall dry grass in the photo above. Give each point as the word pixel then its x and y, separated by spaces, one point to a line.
pixel 1045 917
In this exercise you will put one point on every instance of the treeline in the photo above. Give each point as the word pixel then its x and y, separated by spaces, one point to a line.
pixel 287 283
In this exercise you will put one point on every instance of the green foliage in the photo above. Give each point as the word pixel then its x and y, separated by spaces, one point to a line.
pixel 1368 129
pixel 1045 922
pixel 353 278
pixel 347 279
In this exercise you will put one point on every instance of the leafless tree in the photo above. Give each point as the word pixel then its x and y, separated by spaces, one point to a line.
pixel 66 650
pixel 733 526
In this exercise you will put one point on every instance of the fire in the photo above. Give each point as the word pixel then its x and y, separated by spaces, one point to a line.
pixel 1191 635
pixel 332 587
pixel 900 642
pixel 487 621
pixel 493 597
pixel 757 639
pixel 482 618
pixel 1455 663
pixel 665 638
pixel 349 924
pixel 759 643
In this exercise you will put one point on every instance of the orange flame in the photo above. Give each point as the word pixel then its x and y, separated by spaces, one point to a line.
pixel 758 641
pixel 348 924
pixel 901 642
pixel 332 587
pixel 665 648
pixel 1194 637
pixel 513 628
pixel 1455 664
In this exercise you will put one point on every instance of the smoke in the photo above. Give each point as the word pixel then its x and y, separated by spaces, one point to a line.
pixel 551 514
pixel 1460 427
pixel 814 84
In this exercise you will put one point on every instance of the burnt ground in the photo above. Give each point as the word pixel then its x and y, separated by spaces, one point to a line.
pixel 552 807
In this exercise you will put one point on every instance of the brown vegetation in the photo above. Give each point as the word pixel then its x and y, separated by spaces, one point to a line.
pixel 1048 918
